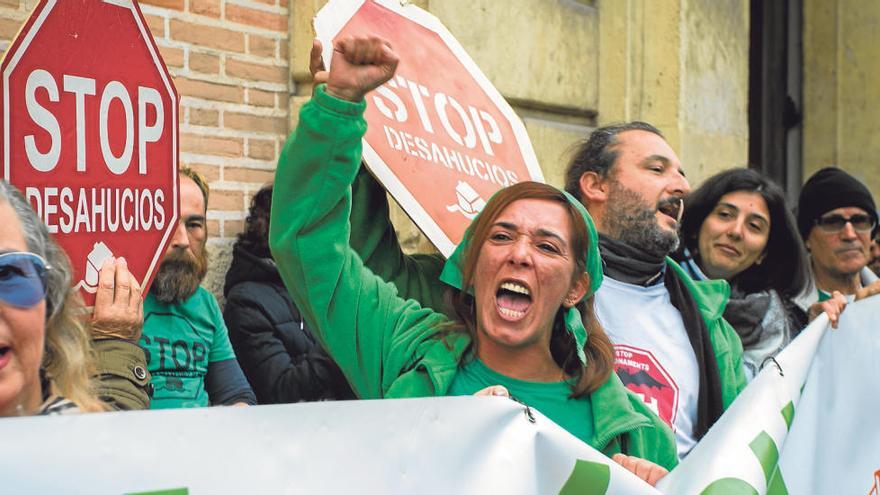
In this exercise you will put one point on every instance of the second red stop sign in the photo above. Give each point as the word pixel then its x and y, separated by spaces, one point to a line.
pixel 440 138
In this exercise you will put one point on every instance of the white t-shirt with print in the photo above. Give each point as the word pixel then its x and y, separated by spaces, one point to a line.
pixel 655 359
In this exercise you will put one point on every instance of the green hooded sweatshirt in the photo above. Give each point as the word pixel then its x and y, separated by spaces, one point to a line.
pixel 388 347
pixel 415 276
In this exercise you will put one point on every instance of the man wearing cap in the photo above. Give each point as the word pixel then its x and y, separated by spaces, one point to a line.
pixel 836 218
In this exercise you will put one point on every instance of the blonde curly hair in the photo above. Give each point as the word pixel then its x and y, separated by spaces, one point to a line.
pixel 68 360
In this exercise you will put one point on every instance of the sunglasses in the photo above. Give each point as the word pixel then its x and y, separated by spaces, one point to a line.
pixel 836 223
pixel 22 279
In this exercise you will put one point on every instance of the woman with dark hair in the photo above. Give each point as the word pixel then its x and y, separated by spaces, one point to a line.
pixel 522 283
pixel 736 227
pixel 277 353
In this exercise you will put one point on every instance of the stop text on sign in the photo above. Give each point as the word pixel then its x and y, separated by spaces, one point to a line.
pixel 113 92
pixel 473 120
pixel 105 209
pixel 471 128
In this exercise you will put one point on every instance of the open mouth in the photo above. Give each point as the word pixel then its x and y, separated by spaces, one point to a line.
pixel 513 300
pixel 3 350
pixel 672 207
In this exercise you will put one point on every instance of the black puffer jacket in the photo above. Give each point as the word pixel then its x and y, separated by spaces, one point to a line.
pixel 277 353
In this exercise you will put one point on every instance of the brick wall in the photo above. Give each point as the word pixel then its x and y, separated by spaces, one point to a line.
pixel 229 60
pixel 230 64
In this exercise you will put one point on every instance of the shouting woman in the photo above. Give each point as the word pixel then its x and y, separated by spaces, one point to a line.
pixel 523 278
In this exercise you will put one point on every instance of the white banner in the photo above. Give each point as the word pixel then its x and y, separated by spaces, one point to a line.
pixel 825 440
pixel 776 439
pixel 450 446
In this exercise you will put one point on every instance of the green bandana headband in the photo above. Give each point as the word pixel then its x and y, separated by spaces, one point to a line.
pixel 452 274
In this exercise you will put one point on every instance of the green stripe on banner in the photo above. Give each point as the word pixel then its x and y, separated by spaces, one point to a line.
pixel 170 491
pixel 587 478
pixel 788 414
pixel 775 483
pixel 766 452
pixel 729 486
pixel 776 486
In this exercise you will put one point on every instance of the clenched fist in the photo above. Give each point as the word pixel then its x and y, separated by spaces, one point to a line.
pixel 359 65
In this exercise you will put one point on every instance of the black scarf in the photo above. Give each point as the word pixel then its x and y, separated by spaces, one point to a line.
pixel 745 313
pixel 627 264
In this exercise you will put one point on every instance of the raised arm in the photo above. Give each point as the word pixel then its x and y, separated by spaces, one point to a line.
pixel 371 333
pixel 373 237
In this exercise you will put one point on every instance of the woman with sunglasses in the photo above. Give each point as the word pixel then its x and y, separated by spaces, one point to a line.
pixel 46 357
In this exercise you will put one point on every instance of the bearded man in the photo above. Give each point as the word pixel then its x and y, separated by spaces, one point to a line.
pixel 184 337
pixel 673 347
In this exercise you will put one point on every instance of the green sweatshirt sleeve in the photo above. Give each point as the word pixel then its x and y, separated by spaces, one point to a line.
pixel 371 333
pixel 373 237
pixel 732 372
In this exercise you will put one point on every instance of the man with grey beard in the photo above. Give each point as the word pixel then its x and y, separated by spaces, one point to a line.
pixel 184 336
pixel 673 347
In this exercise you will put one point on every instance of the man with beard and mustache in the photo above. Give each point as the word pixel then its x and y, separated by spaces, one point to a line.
pixel 184 337
pixel 673 347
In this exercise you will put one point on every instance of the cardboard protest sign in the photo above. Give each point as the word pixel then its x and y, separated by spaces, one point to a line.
pixel 440 137
pixel 89 133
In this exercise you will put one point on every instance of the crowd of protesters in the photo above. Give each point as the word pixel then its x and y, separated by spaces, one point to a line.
pixel 554 297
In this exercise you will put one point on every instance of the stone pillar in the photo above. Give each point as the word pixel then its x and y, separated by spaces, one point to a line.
pixel 841 99
pixel 681 65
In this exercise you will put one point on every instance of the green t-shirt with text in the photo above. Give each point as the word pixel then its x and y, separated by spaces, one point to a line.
pixel 180 340
pixel 551 399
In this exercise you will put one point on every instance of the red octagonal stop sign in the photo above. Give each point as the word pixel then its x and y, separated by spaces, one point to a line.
pixel 440 137
pixel 89 133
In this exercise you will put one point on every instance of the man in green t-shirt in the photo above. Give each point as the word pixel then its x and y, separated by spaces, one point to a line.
pixel 184 337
